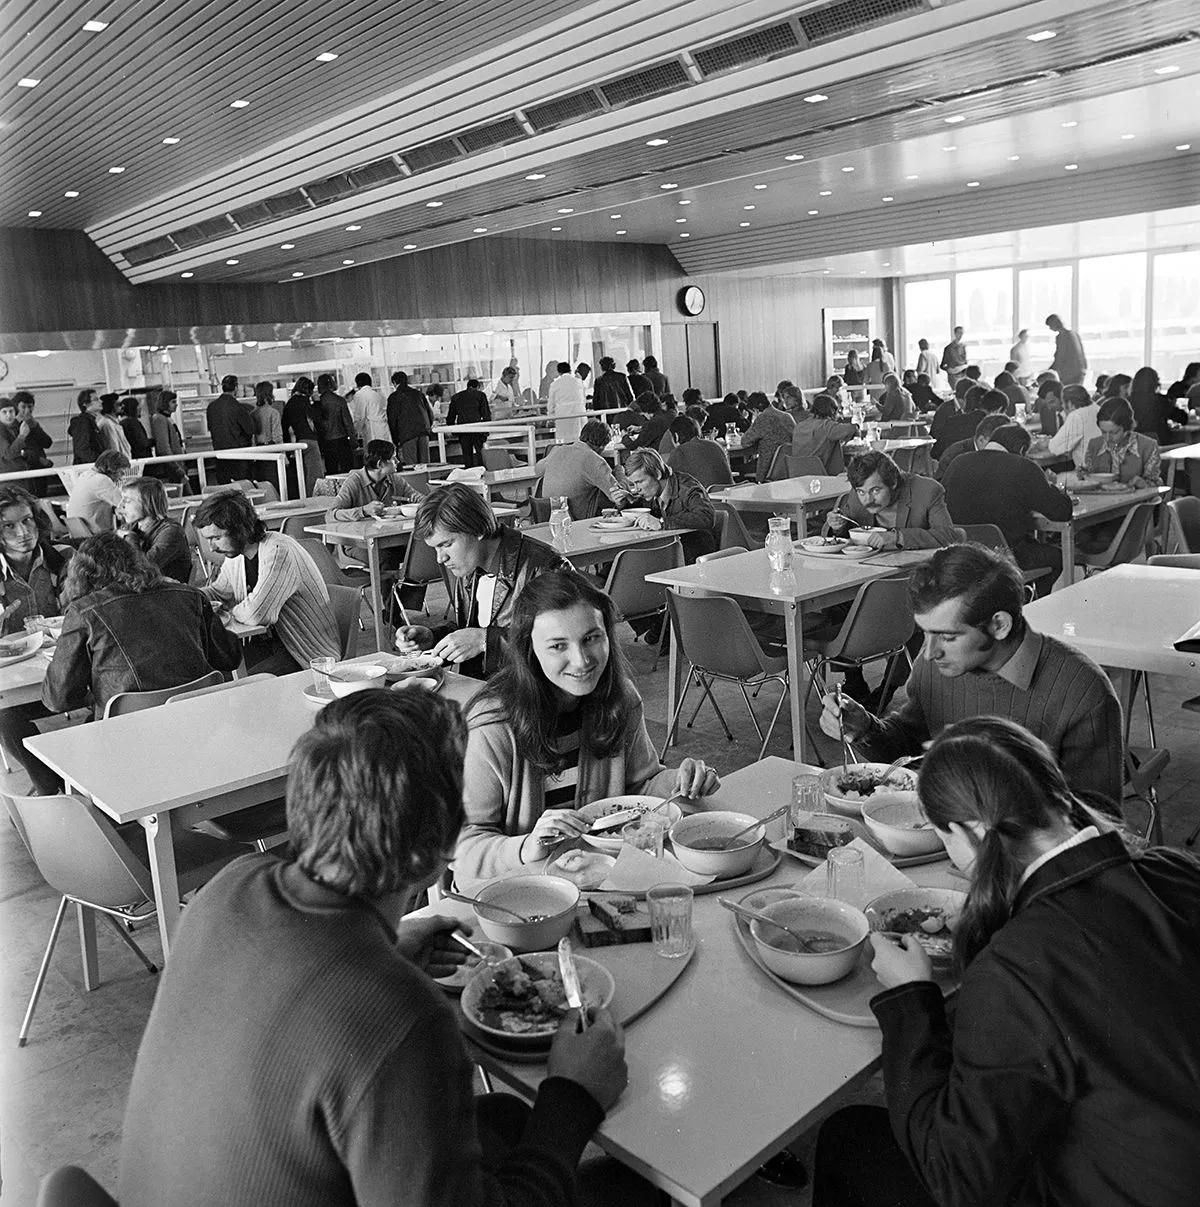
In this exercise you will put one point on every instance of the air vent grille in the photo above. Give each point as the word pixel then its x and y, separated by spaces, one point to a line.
pixel 330 189
pixel 564 109
pixel 432 154
pixel 145 252
pixel 756 47
pixel 838 20
pixel 374 174
pixel 654 81
pixel 203 232
pixel 496 134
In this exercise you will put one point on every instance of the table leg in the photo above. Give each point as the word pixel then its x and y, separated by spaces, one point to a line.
pixel 87 945
pixel 160 846
pixel 301 483
pixel 381 641
pixel 442 448
pixel 674 666
pixel 281 475
pixel 201 476
pixel 1068 555
pixel 795 659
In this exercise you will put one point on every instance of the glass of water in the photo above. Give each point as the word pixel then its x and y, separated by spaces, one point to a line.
pixel 670 907
pixel 645 834
pixel 320 668
pixel 846 876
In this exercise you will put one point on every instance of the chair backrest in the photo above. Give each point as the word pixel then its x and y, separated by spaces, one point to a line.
pixel 986 534
pixel 331 573
pixel 714 635
pixel 79 852
pixel 736 532
pixel 1185 524
pixel 1180 561
pixel 71 1186
pixel 420 563
pixel 778 466
pixel 805 466
pixel 728 551
pixel 1130 540
pixel 270 491
pixel 217 687
pixel 127 702
pixel 346 603
pixel 245 485
pixel 498 458
pixel 880 619
pixel 294 526
pixel 539 508
pixel 903 458
pixel 79 528
pixel 631 594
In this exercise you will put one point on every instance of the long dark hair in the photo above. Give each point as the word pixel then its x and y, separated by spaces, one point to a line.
pixel 107 560
pixel 992 771
pixel 526 698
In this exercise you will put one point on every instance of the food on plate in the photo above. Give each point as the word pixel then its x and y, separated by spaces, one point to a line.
pixel 823 542
pixel 859 783
pixel 494 952
pixel 13 645
pixel 817 837
pixel 523 1000
pixel 624 805
pixel 932 927
pixel 815 941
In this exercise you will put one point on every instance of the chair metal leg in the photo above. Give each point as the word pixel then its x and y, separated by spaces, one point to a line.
pixel 757 726
pixel 1149 708
pixel 127 939
pixel 673 723
pixel 786 687
pixel 485 1078
pixel 41 976
pixel 4 760
pixel 706 685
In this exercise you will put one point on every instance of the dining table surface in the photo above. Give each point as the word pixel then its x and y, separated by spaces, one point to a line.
pixel 586 545
pixel 788 496
pixel 1175 457
pixel 726 1068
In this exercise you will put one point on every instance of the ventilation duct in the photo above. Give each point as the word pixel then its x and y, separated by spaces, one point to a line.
pixel 281 206
pixel 145 252
pixel 563 110
pixel 374 174
pixel 432 154
pixel 653 81
pixel 204 232
pixel 758 47
pixel 839 20
pixel 496 134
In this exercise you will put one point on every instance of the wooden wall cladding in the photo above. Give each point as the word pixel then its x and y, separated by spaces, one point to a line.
pixel 770 326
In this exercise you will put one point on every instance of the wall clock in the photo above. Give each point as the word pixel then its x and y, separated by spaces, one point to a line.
pixel 691 300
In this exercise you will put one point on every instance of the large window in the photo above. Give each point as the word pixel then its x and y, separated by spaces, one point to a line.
pixel 983 307
pixel 926 316
pixel 1175 336
pixel 1112 313
pixel 1042 292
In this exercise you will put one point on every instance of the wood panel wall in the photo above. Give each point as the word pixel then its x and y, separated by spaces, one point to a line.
pixel 770 326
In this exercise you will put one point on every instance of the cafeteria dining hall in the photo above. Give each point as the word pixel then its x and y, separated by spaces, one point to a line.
pixel 600 603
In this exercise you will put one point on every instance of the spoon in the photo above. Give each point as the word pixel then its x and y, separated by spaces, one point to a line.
pixel 742 911
pixel 726 843
pixel 512 913
pixel 334 675
pixel 463 941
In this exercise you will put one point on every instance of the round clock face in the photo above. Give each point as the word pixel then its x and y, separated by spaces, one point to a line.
pixel 691 300
pixel 3 368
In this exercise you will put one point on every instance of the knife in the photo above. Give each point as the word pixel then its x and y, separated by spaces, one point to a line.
pixel 570 979
pixel 613 820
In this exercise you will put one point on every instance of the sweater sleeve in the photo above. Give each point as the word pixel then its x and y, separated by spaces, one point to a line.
pixel 972 1114
pixel 222 649
pixel 1091 750
pixel 644 772
pixel 485 847
pixel 278 581
pixel 1040 496
pixel 906 727
pixel 347 507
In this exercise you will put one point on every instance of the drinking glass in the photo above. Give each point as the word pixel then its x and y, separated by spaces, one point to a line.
pixel 645 834
pixel 670 907
pixel 320 681
pixel 846 876
pixel 807 798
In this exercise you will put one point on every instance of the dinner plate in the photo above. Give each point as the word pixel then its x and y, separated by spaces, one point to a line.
pixel 29 644
pixel 851 806
pixel 424 680
pixel 611 841
pixel 764 865
pixel 822 544
pixel 611 525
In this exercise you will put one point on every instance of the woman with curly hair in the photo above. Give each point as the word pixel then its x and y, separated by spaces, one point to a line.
pixel 559 725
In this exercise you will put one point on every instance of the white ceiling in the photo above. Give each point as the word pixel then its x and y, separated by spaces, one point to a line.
pixel 161 69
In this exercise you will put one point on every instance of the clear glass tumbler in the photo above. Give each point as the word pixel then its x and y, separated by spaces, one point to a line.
pixel 807 798
pixel 670 907
pixel 320 668
pixel 645 834
pixel 846 876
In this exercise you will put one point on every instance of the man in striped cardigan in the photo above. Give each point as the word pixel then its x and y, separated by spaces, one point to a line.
pixel 982 659
pixel 268 579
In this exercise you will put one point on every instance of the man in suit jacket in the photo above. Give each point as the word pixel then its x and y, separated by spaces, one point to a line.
pixel 230 425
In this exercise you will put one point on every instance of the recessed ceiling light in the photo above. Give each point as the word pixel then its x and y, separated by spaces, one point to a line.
pixel 862 272
pixel 826 193
pixel 536 176
pixel 743 224
pixel 668 186
pixel 1043 35
pixel 35 213
pixel 953 121
pixel 815 98
pixel 685 201
pixel 825 272
pixel 434 205
pixel 354 227
pixel 747 207
pixel 813 213
pixel 566 211
pixel 760 187
pixel 1171 70
pixel 70 193
pixel 1127 137
pixel 888 199
pixel 239 104
pixel 684 235
pixel 1013 158
pixel 951 147
pixel 479 230
pixel 232 261
pixel 793 158
pixel 1069 125
pixel 347 261
pixel 116 171
pixel 1070 167
pixel 1183 146
pixel 886 264
pixel 169 142
pixel 410 247
pixel 680 219
pixel 912 178
pixel 286 246
pixel 622 232
pixel 326 56
pixel 185 275
pixel 614 215
pixel 297 274
pixel 847 169
pixel 95 27
pixel 657 142
pixel 972 184
pixel 556 228
pixel 28 83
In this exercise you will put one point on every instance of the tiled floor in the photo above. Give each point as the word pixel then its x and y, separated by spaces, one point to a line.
pixel 63 1095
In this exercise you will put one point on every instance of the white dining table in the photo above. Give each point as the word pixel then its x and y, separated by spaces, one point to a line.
pixel 585 545
pixel 1174 457
pixel 789 496
pixel 726 1069
pixel 205 757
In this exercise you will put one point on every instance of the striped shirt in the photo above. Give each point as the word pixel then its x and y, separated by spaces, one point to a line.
pixel 562 787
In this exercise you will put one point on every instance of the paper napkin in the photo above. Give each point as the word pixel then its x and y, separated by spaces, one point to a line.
pixel 881 877
pixel 636 871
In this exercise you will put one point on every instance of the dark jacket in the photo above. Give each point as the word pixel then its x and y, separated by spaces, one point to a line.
pixel 991 487
pixel 688 511
pixel 121 641
pixel 520 559
pixel 611 390
pixel 922 518
pixel 639 384
pixel 12 449
pixel 1151 414
pixel 39 595
pixel 1069 1077
pixel 721 414
pixel 86 441
pixel 229 423
pixel 139 442
pixel 705 460
pixel 167 437
pixel 949 425
pixel 651 432
pixel 468 406
pixel 408 415
pixel 334 418
pixel 658 381
pixel 166 546
pixel 300 418
pixel 924 397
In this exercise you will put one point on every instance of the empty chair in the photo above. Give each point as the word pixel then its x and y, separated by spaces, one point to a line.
pixel 192 693
pixel 1184 525
pixel 1127 544
pixel 346 603
pixel 805 466
pixel 720 553
pixel 735 531
pixel 295 526
pixel 81 855
pixel 331 573
pixel 270 491
pixel 502 458
pixel 718 643
pixel 539 509
pixel 632 596
pixel 991 536
pixel 70 1186
pixel 127 702
pixel 421 568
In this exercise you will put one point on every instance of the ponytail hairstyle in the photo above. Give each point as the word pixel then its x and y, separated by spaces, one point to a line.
pixel 992 771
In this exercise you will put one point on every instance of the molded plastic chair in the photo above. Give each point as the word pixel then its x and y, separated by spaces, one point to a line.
pixel 1180 561
pixel 1128 544
pixel 331 573
pixel 1184 525
pixel 777 468
pixel 294 526
pixel 421 568
pixel 539 509
pixel 805 466
pixel 70 1186
pixel 81 854
pixel 626 585
pixel 127 702
pixel 216 687
pixel 501 458
pixel 991 536
pixel 346 603
pixel 720 553
pixel 716 639
pixel 736 531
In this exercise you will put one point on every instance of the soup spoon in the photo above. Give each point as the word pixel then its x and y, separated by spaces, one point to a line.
pixel 512 913
pixel 734 908
pixel 726 843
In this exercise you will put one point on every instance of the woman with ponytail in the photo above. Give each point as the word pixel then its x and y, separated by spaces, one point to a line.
pixel 1069 1075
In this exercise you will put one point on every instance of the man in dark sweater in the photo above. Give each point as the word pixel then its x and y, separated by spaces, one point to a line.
pixel 957 419
pixel 298 1052
pixel 996 485
pixel 230 425
pixel 410 420
pixel 982 659
pixel 470 406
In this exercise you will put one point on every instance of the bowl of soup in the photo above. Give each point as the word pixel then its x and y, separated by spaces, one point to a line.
pixel 896 821
pixel 833 932
pixel 546 903
pixel 348 679
pixel 699 843
pixel 860 536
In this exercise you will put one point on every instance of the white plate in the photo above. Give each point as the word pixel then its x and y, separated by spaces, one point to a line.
pixel 611 525
pixel 615 804
pixel 820 544
pixel 24 645
pixel 849 806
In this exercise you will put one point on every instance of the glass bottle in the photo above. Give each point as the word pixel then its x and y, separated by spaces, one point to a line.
pixel 779 543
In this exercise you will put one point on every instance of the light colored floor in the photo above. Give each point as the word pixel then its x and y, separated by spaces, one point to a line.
pixel 63 1095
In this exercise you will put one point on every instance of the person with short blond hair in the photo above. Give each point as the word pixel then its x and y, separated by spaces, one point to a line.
pixel 147 525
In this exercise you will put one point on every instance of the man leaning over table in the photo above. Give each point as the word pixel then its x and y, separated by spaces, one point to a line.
pixel 268 579
pixel 981 658
pixel 299 1053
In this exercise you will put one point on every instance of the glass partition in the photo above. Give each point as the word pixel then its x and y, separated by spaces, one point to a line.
pixel 926 316
pixel 983 307
pixel 1112 312
pixel 1175 333
pixel 1042 292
